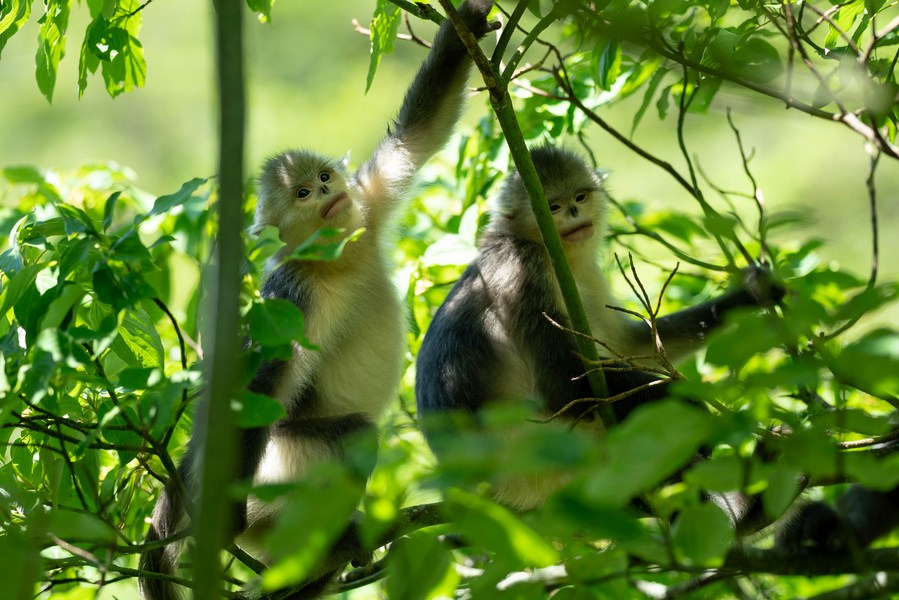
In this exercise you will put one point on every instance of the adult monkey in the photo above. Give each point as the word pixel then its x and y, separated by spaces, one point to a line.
pixel 490 341
pixel 352 311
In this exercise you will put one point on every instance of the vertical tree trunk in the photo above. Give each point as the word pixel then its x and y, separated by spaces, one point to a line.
pixel 218 446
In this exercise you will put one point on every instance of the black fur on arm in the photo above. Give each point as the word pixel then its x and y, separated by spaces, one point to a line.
pixel 686 329
pixel 433 102
pixel 860 517
pixel 456 355
pixel 426 118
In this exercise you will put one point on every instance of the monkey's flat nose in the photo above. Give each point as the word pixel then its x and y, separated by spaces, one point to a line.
pixel 573 211
pixel 324 189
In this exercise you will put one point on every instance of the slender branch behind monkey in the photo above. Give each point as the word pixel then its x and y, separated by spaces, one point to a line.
pixel 502 108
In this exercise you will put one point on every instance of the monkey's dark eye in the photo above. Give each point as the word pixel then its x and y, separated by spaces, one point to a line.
pixel 324 176
pixel 303 193
pixel 555 207
pixel 580 197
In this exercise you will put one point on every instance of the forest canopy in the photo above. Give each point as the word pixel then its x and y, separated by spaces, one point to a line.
pixel 112 301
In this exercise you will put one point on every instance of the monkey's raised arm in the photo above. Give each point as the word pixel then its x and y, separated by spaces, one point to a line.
pixel 684 331
pixel 430 109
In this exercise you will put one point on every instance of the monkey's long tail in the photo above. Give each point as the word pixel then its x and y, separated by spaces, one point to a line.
pixel 167 516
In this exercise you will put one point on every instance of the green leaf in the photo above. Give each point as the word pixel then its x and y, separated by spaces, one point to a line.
pixel 36 382
pixel 75 219
pixel 83 526
pixel 256 410
pixel 609 65
pixel 123 438
pixel 496 527
pixel 91 50
pixel 109 209
pixel 166 203
pixel 662 102
pixel 706 90
pixel 703 534
pixel 384 24
pixel 75 255
pixel 425 566
pixel 129 249
pixel 640 452
pixel 647 97
pixel 23 174
pixel 275 322
pixel 783 487
pixel 754 334
pixel 21 559
pixel 126 68
pixel 843 21
pixel 138 343
pixel 719 474
pixel 681 226
pixel 325 244
pixel 719 224
pixel 876 473
pixel 868 300
pixel 595 566
pixel 854 420
pixel 65 303
pixel 262 8
pixel 51 44
pixel 757 60
pixel 317 511
pixel 16 287
pixel 450 249
pixel 13 14
pixel 871 364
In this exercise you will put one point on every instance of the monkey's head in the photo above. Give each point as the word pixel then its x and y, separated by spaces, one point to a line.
pixel 574 194
pixel 300 192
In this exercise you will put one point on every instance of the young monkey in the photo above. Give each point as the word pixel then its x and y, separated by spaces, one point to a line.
pixel 490 342
pixel 351 308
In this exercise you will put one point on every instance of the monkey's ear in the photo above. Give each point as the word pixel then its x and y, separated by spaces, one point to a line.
pixel 603 174
pixel 344 162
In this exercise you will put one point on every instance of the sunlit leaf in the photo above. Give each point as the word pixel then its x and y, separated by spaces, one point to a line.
pixel 384 24
pixel 325 244
pixel 166 203
pixel 13 14
pixel 497 527
pixel 641 454
pixel 424 563
pixel 51 44
pixel 871 364
pixel 274 322
pixel 138 342
pixel 263 8
pixel 256 410
pixel 703 534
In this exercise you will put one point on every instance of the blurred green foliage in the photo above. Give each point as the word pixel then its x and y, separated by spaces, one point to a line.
pixel 102 284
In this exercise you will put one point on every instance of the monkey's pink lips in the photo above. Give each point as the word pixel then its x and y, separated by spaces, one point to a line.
pixel 582 232
pixel 335 205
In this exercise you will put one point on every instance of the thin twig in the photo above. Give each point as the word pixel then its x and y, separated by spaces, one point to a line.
pixel 756 190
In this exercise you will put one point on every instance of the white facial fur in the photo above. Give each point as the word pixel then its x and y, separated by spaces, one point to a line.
pixel 301 191
pixel 574 194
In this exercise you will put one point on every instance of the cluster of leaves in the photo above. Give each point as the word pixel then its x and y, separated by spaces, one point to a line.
pixel 95 364
pixel 110 40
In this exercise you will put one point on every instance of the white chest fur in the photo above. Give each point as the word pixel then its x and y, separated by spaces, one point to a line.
pixel 357 322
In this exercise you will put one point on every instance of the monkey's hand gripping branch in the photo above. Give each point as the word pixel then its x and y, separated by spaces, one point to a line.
pixel 497 86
